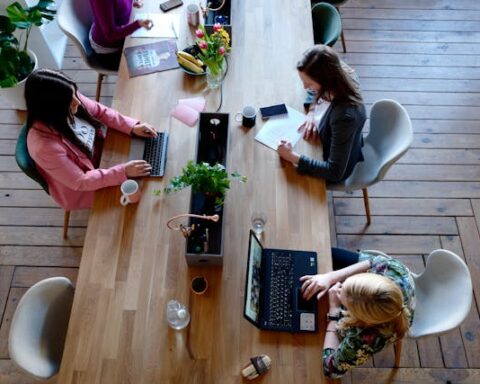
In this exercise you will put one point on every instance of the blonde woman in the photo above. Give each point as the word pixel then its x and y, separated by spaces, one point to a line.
pixel 371 305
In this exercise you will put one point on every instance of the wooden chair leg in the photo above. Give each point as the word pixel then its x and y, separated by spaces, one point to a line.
pixel 398 351
pixel 66 220
pixel 99 86
pixel 367 205
pixel 343 42
pixel 344 46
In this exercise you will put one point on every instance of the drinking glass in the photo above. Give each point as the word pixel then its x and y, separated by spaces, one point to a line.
pixel 259 220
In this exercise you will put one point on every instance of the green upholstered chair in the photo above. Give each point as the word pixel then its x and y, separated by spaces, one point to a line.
pixel 327 24
pixel 27 165
pixel 336 4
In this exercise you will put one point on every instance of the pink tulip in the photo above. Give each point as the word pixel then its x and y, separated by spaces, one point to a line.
pixel 202 44
pixel 199 33
pixel 221 50
pixel 216 27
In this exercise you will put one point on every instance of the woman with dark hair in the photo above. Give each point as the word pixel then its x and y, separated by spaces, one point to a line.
pixel 111 25
pixel 371 305
pixel 340 129
pixel 65 138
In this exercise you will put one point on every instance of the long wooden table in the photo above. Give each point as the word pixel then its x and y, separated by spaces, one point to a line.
pixel 132 265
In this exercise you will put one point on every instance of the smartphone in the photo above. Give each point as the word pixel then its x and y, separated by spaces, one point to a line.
pixel 170 4
pixel 274 110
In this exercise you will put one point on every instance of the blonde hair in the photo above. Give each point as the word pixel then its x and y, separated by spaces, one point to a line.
pixel 373 299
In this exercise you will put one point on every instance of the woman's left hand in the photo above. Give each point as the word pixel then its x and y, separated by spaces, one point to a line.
pixel 144 130
pixel 285 150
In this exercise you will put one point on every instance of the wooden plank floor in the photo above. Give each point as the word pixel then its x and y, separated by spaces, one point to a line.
pixel 424 54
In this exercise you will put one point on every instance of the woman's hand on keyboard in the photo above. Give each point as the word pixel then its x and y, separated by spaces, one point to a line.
pixel 313 284
pixel 144 130
pixel 137 168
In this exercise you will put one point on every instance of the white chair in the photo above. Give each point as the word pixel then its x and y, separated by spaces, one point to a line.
pixel 444 294
pixel 39 325
pixel 75 18
pixel 389 138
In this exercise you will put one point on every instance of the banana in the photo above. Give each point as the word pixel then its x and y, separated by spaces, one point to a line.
pixel 190 57
pixel 189 65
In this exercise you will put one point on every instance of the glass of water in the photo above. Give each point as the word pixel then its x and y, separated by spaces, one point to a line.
pixel 259 220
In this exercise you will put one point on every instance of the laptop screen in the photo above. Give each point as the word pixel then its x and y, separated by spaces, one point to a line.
pixel 252 294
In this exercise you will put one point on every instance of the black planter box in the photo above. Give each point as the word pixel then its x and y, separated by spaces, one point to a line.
pixel 205 244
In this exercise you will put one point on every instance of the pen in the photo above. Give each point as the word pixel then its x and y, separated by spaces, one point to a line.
pixel 174 31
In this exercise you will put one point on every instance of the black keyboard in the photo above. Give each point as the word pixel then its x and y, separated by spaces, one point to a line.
pixel 281 288
pixel 156 153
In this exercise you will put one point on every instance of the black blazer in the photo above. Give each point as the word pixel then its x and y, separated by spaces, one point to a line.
pixel 340 131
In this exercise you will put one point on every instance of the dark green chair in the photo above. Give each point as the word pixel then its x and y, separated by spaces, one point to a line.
pixel 327 24
pixel 27 165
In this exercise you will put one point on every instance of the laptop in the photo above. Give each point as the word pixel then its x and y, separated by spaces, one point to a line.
pixel 152 150
pixel 273 297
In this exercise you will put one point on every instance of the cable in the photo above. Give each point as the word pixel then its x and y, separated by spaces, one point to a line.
pixel 207 7
pixel 221 87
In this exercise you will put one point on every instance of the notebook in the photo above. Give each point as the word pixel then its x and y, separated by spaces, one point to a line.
pixel 152 57
pixel 152 150
pixel 273 298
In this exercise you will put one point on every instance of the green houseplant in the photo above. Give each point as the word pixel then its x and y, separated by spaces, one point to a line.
pixel 212 180
pixel 15 62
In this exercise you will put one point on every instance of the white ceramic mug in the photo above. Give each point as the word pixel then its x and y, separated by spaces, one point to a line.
pixel 246 117
pixel 193 14
pixel 130 192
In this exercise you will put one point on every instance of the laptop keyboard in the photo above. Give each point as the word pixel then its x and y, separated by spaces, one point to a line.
pixel 281 287
pixel 156 153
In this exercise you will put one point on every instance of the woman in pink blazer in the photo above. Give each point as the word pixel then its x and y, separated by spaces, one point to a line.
pixel 65 137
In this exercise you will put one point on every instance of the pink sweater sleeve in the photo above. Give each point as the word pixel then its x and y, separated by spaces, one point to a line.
pixel 52 157
pixel 108 116
pixel 105 20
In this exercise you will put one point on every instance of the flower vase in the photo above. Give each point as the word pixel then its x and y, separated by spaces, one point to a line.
pixel 215 74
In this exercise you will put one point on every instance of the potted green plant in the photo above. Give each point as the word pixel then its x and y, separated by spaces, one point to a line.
pixel 210 180
pixel 16 60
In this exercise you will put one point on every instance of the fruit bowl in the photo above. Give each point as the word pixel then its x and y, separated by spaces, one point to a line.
pixel 194 51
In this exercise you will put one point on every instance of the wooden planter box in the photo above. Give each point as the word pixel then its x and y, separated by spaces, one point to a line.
pixel 205 244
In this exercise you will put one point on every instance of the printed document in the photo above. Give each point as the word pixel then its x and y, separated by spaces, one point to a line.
pixel 285 127
pixel 163 25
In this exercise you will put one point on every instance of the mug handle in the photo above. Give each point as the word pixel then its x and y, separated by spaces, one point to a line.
pixel 124 200
pixel 237 115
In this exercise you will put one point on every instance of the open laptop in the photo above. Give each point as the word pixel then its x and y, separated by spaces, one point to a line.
pixel 152 150
pixel 273 299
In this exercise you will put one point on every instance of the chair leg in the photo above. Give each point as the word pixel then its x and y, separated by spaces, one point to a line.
pixel 344 46
pixel 343 42
pixel 66 219
pixel 367 205
pixel 99 86
pixel 398 351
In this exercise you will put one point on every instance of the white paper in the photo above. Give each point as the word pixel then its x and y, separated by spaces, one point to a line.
pixel 281 128
pixel 163 25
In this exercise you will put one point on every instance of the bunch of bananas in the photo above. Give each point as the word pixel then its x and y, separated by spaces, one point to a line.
pixel 190 62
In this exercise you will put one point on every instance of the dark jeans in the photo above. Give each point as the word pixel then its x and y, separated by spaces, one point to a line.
pixel 342 258
pixel 109 61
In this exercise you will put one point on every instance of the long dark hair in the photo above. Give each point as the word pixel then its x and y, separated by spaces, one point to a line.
pixel 48 95
pixel 322 64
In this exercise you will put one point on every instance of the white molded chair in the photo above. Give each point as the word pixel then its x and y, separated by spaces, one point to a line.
pixel 75 18
pixel 444 294
pixel 389 138
pixel 39 325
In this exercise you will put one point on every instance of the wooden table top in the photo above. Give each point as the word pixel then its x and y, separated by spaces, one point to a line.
pixel 132 265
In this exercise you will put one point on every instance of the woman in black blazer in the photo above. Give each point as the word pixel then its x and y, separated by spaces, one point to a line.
pixel 340 129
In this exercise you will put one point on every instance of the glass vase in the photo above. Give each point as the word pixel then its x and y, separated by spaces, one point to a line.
pixel 216 74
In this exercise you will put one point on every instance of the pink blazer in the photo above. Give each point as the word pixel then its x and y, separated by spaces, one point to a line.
pixel 70 174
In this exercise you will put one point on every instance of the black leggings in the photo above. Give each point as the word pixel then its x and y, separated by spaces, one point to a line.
pixel 342 258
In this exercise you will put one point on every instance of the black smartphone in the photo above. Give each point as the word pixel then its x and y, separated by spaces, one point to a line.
pixel 274 110
pixel 170 4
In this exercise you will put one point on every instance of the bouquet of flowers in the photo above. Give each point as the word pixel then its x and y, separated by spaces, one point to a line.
pixel 213 47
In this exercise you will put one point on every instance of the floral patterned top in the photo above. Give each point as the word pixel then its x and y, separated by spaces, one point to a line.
pixel 357 344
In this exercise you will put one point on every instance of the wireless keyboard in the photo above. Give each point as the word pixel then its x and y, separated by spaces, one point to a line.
pixel 156 153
